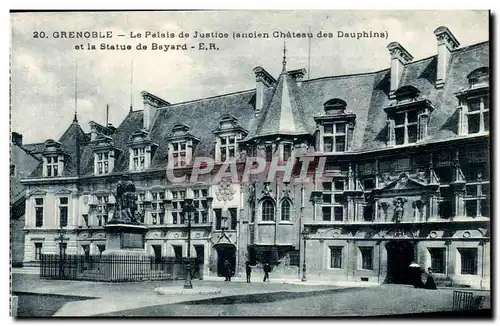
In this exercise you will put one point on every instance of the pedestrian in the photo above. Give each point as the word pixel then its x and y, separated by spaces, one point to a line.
pixel 430 284
pixel 228 270
pixel 267 269
pixel 248 270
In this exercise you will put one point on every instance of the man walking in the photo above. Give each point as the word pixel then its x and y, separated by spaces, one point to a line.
pixel 267 269
pixel 248 270
pixel 228 269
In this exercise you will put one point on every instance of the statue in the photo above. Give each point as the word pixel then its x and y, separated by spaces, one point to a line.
pixel 126 204
pixel 399 209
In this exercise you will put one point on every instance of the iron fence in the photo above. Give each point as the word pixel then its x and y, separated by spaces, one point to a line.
pixel 462 300
pixel 116 268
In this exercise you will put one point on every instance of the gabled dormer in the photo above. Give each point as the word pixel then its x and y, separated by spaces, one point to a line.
pixel 104 155
pixel 141 150
pixel 181 146
pixel 474 109
pixel 335 127
pixel 408 117
pixel 54 158
pixel 228 134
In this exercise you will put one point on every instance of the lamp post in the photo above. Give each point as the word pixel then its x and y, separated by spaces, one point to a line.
pixel 187 210
pixel 305 236
pixel 60 234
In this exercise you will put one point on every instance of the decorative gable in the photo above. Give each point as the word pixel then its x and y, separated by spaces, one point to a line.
pixel 229 133
pixel 181 146
pixel 408 117
pixel 335 127
pixel 141 150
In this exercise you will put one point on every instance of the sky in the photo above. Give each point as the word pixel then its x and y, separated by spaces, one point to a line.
pixel 46 73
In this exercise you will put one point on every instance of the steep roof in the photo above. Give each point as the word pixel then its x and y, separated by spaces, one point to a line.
pixel 284 114
pixel 290 108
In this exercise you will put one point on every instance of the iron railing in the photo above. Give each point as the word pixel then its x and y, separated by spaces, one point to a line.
pixel 116 268
pixel 462 300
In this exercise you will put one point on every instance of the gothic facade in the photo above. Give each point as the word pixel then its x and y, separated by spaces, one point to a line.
pixel 403 154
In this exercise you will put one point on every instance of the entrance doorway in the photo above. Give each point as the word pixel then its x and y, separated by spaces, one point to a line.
pixel 400 255
pixel 156 261
pixel 225 252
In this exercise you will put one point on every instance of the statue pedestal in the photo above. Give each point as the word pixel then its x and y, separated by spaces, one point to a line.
pixel 125 239
pixel 125 257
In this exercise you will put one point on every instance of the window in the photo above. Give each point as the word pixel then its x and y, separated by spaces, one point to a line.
pixel 227 148
pixel 478 114
pixel 468 260
pixel 368 184
pixel 366 257
pixel 102 209
pixel 157 207
pixel 269 153
pixel 285 210
pixel 12 170
pixel 63 211
pixel 336 257
pixel 477 191
pixel 287 151
pixel 179 153
pixel 52 166
pixel 405 127
pixel 445 203
pixel 102 163
pixel 200 215
pixel 267 210
pixel 38 250
pixel 368 212
pixel 138 158
pixel 333 200
pixel 334 137
pixel 177 206
pixel 438 259
pixel 39 212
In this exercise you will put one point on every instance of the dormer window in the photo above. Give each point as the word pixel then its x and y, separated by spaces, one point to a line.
pixel 141 151
pixel 52 166
pixel 335 127
pixel 181 145
pixel 474 110
pixel 408 118
pixel 179 150
pixel 104 155
pixel 53 159
pixel 228 133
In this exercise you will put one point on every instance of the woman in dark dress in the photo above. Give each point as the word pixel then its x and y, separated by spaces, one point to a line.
pixel 430 284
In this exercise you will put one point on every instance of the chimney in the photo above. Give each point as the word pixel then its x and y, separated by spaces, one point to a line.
pixel 298 75
pixel 446 43
pixel 399 58
pixel 263 81
pixel 17 138
pixel 150 103
pixel 94 130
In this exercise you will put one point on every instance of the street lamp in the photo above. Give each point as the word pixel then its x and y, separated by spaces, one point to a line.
pixel 187 210
pixel 60 234
pixel 305 236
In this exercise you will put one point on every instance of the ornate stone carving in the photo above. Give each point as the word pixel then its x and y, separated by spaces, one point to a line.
pixel 266 191
pixel 225 191
pixel 399 209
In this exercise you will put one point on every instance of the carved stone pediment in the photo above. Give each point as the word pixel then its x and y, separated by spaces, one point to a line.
pixel 404 182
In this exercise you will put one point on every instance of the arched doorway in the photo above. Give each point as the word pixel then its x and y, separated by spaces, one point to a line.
pixel 400 255
pixel 225 251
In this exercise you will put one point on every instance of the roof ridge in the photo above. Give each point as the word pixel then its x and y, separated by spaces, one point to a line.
pixel 206 98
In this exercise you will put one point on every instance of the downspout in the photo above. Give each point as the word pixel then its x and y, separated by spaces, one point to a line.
pixel 379 259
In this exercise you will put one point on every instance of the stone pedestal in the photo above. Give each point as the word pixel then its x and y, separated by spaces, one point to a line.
pixel 125 257
pixel 125 239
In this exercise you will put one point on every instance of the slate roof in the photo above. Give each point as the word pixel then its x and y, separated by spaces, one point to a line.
pixel 290 108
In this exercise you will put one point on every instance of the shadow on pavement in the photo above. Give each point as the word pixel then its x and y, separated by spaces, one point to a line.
pixel 264 297
pixel 42 305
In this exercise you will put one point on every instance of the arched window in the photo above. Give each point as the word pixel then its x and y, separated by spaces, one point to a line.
pixel 285 210
pixel 267 210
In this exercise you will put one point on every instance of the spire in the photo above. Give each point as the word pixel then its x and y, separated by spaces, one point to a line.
pixel 284 57
pixel 75 119
pixel 131 81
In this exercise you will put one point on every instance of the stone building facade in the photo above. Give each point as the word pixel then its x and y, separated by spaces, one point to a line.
pixel 397 163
